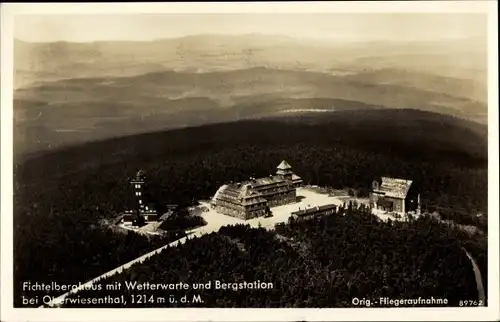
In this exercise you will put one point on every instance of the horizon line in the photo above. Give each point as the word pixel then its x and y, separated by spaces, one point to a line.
pixel 351 40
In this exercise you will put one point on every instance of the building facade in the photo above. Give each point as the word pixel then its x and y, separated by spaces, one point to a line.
pixel 142 213
pixel 254 197
pixel 394 195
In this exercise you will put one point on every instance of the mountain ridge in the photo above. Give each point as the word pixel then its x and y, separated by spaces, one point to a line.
pixel 364 125
pixel 198 51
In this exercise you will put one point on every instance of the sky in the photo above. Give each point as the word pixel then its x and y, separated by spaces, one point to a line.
pixel 342 26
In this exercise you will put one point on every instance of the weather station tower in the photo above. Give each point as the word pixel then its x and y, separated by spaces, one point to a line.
pixel 138 184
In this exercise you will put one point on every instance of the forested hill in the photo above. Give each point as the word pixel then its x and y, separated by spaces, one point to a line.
pixel 339 149
pixel 406 133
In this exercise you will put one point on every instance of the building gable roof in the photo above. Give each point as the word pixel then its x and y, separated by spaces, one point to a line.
pixel 238 193
pixel 396 188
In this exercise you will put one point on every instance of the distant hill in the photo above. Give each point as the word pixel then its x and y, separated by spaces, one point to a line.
pixel 34 62
pixel 426 81
pixel 41 126
pixel 388 87
pixel 75 110
pixel 68 93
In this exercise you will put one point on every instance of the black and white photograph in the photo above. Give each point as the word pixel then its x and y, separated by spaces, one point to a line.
pixel 229 156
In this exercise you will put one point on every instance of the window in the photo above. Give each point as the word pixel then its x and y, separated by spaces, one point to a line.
pixel 140 202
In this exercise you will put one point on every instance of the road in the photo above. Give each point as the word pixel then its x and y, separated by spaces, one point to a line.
pixel 479 280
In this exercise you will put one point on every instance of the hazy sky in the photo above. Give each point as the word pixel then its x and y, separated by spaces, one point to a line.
pixel 399 26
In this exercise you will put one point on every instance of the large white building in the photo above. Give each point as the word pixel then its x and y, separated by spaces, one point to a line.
pixel 254 197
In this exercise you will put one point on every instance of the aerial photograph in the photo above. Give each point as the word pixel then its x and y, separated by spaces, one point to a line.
pixel 250 160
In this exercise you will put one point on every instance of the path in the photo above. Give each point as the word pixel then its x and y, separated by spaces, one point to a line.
pixel 479 280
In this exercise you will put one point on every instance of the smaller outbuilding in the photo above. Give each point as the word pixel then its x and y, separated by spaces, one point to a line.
pixel 308 213
pixel 394 195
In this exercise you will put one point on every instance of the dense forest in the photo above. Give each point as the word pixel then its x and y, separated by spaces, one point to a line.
pixel 78 257
pixel 60 198
pixel 323 262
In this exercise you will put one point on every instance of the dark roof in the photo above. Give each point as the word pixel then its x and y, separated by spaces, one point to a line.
pixel 239 194
pixel 313 210
pixel 265 181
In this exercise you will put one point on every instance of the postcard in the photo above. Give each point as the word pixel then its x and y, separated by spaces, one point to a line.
pixel 301 161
